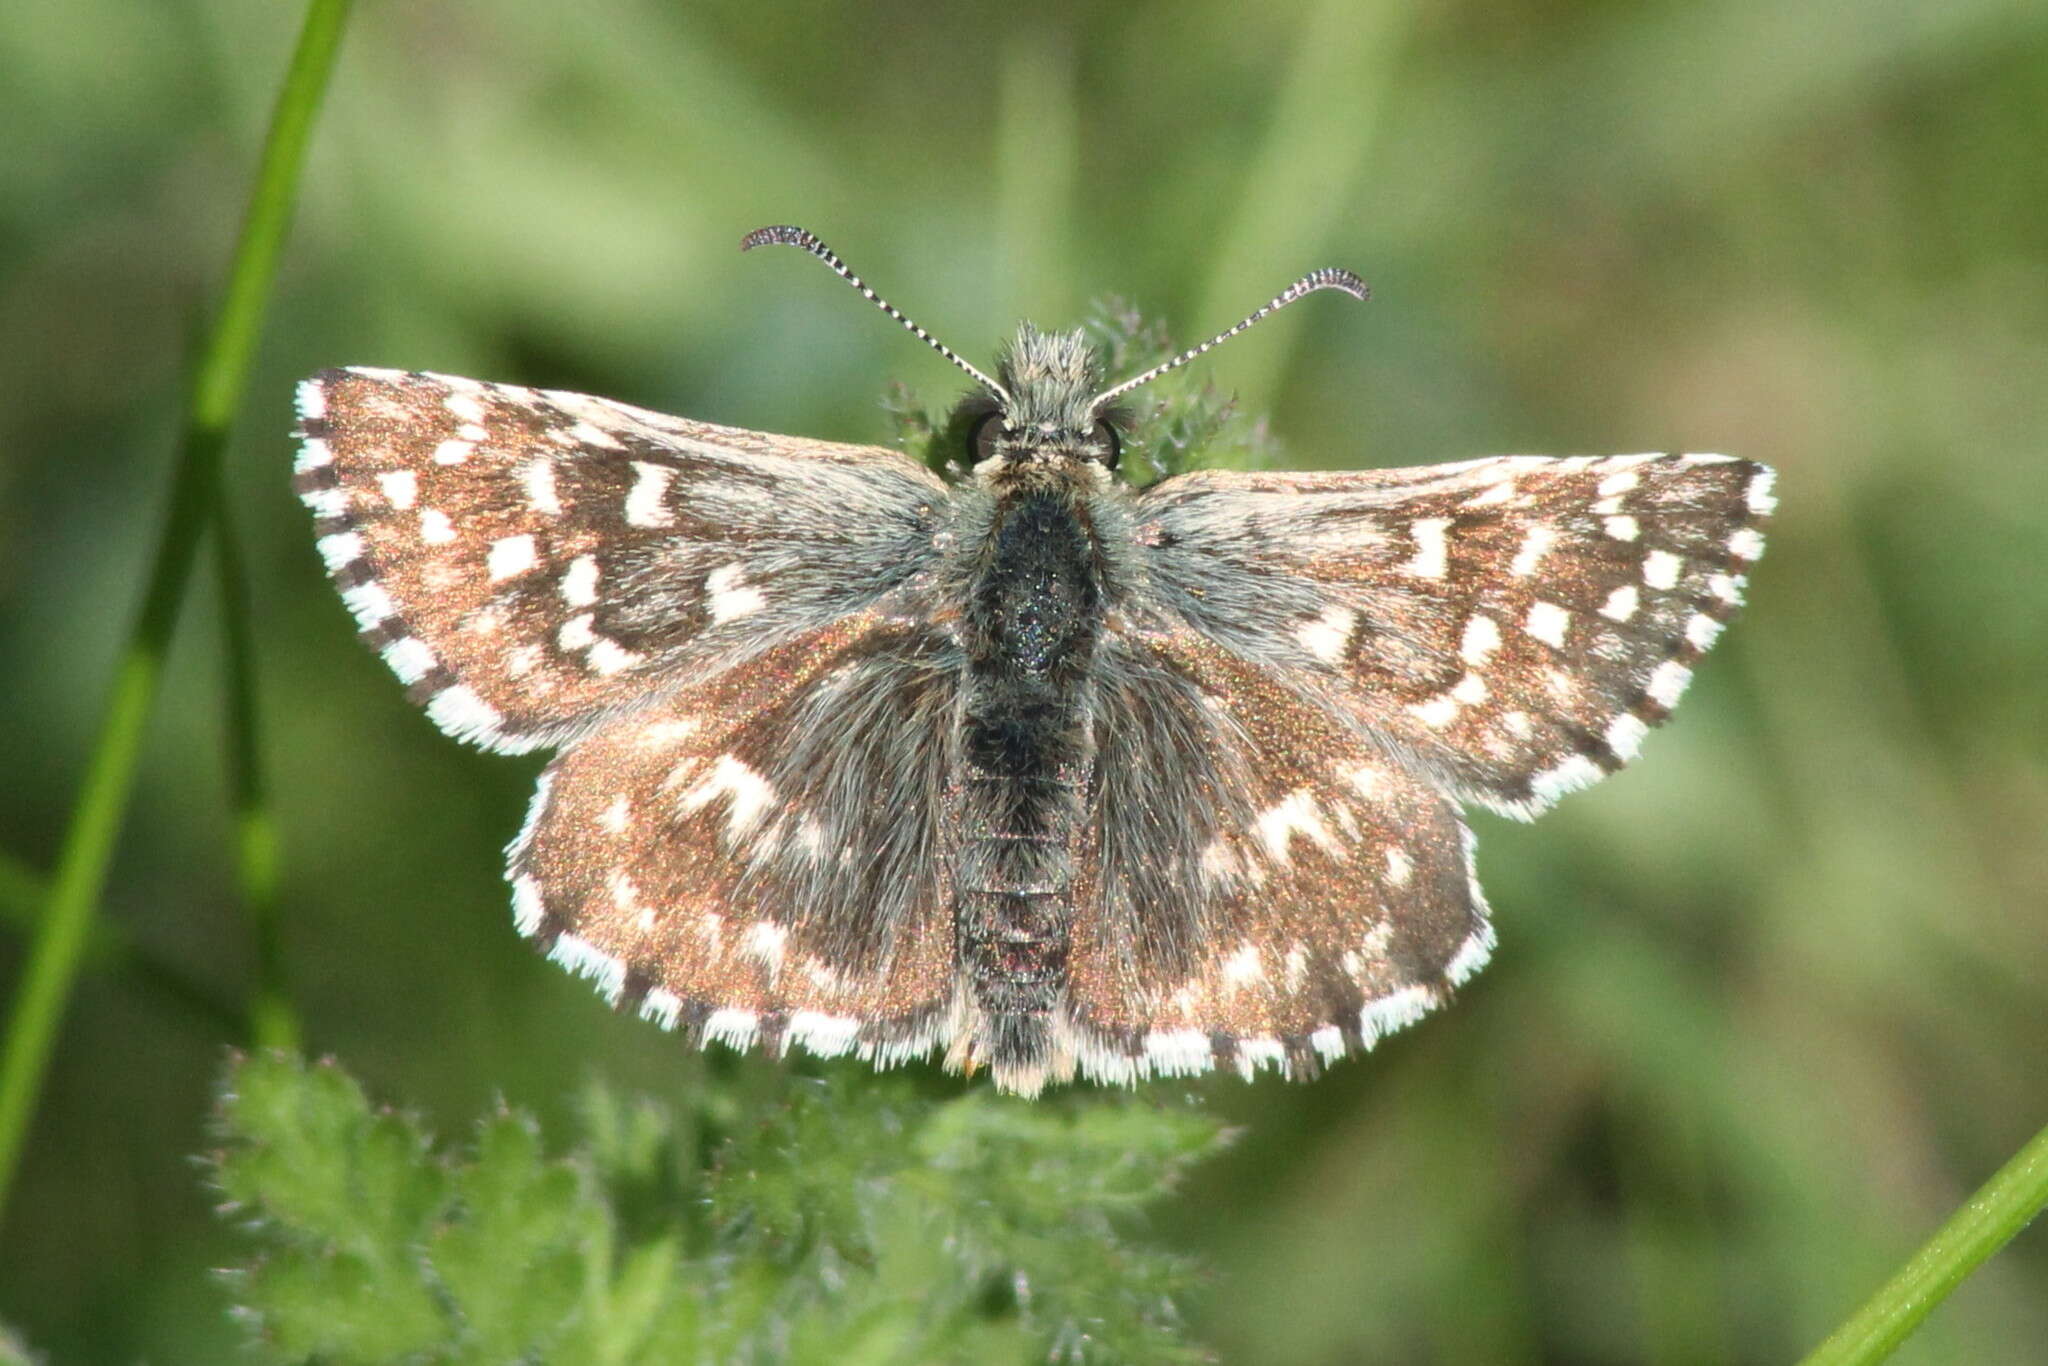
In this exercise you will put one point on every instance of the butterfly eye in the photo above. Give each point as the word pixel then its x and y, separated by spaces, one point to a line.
pixel 986 433
pixel 1112 444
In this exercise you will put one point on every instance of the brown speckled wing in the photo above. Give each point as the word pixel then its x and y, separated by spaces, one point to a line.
pixel 761 857
pixel 1267 888
pixel 1511 626
pixel 528 561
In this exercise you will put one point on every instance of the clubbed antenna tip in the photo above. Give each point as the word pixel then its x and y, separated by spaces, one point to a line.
pixel 788 235
pixel 1329 277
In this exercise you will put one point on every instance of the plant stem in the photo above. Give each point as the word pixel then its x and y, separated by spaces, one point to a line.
pixel 272 1021
pixel 2001 1207
pixel 216 391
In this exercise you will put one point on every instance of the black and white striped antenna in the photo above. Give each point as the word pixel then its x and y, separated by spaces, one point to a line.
pixel 783 234
pixel 1327 278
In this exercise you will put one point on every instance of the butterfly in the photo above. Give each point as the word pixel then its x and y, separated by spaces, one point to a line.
pixel 1050 773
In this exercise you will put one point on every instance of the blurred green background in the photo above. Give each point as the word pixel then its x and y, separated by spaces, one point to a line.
pixel 1766 1007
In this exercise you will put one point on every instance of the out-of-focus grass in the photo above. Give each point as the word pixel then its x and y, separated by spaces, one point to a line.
pixel 64 929
pixel 1766 1007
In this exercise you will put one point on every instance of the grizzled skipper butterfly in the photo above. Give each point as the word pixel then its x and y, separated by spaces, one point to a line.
pixel 1052 773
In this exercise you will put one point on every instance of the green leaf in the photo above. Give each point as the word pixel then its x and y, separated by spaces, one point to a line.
pixel 510 1258
pixel 771 1217
pixel 348 1194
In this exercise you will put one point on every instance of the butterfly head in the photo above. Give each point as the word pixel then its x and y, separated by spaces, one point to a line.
pixel 1043 411
pixel 1044 407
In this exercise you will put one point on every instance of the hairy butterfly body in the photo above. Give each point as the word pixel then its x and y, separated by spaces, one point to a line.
pixel 1036 768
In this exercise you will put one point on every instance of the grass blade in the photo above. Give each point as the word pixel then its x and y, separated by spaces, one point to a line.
pixel 216 392
pixel 1987 1221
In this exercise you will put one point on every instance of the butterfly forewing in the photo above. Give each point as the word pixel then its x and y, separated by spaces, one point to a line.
pixel 527 561
pixel 1056 775
pixel 1511 626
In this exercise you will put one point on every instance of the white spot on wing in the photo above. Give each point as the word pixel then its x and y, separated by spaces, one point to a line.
pixel 1179 1052
pixel 311 400
pixel 764 942
pixel 1759 496
pixel 1295 814
pixel 609 657
pixel 751 794
pixel 1481 639
pixel 1252 1054
pixel 1746 544
pixel 435 528
pixel 615 816
pixel 1702 631
pixel 729 595
pixel 644 505
pixel 1398 1011
pixel 344 547
pixel 409 658
pixel 370 603
pixel 1326 636
pixel 587 960
pixel 453 452
pixel 579 581
pixel 510 555
pixel 1536 544
pixel 589 434
pixel 1432 552
pixel 662 1007
pixel 1471 955
pixel 538 477
pixel 401 488
pixel 313 453
pixel 1661 569
pixel 733 1028
pixel 827 1036
pixel 1622 528
pixel 576 633
pixel 1667 683
pixel 1437 712
pixel 464 406
pixel 1548 623
pixel 459 712
pixel 1491 495
pixel 1614 485
pixel 527 908
pixel 1574 773
pixel 1243 966
pixel 1399 867
pixel 1625 736
pixel 326 502
pixel 1621 603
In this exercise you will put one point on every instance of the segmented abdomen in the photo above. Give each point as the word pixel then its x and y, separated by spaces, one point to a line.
pixel 1026 749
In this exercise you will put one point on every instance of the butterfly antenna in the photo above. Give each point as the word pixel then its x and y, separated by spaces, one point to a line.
pixel 782 234
pixel 1328 278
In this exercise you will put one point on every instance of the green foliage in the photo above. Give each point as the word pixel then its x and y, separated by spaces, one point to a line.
pixel 827 1221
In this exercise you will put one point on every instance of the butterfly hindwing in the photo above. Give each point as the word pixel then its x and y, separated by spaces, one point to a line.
pixel 1057 775
pixel 1267 887
pixel 527 560
pixel 762 856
